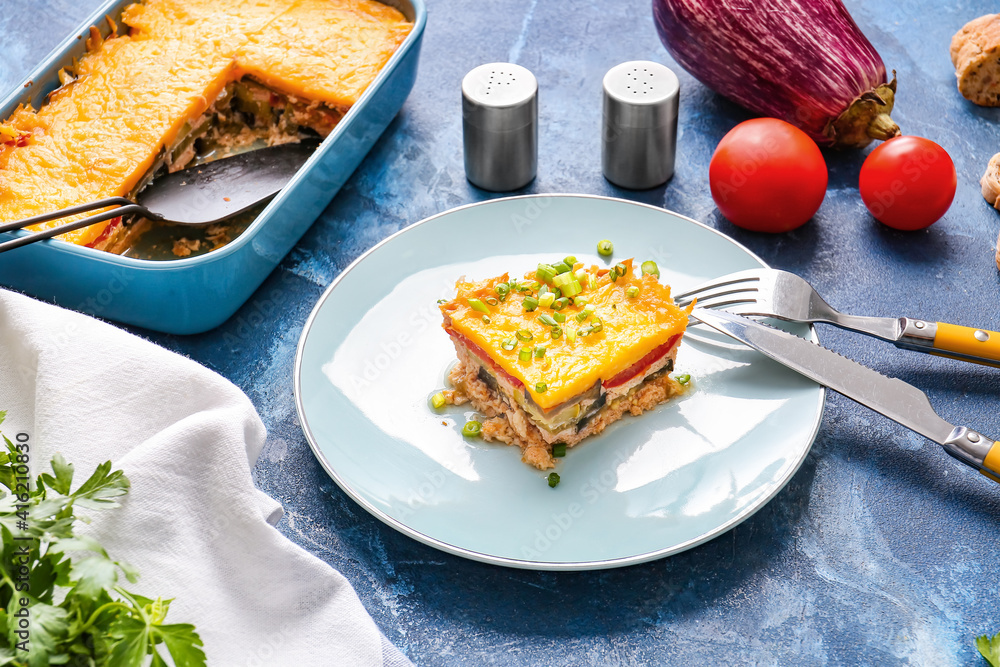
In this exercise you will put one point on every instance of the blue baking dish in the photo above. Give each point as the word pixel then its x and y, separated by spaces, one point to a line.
pixel 195 294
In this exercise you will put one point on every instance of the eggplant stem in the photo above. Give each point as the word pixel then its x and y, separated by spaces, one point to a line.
pixel 866 118
pixel 882 127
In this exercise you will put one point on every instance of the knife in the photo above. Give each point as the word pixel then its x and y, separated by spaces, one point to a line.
pixel 897 400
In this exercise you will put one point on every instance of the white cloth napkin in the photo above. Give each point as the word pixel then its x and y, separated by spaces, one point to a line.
pixel 193 523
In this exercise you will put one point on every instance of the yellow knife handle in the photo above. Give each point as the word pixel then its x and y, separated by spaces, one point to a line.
pixel 974 344
pixel 975 450
pixel 980 346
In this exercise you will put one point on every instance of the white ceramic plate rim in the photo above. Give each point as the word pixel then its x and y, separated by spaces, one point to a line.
pixel 503 560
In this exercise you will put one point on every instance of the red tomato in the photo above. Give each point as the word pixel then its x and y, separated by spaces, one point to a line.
pixel 908 182
pixel 767 176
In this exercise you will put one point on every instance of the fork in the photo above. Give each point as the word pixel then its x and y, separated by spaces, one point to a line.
pixel 786 296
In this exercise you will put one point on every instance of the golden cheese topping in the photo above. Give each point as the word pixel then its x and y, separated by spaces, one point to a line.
pixel 98 136
pixel 631 328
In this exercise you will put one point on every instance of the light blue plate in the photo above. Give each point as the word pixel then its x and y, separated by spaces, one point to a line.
pixel 373 352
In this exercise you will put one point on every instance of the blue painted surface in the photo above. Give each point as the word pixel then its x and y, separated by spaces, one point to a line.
pixel 880 551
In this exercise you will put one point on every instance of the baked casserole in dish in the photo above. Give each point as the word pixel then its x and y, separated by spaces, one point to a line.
pixel 195 293
pixel 188 80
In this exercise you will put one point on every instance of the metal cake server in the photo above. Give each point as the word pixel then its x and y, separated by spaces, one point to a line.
pixel 201 195
pixel 897 400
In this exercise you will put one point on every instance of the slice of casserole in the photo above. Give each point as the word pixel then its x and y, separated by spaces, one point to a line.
pixel 228 72
pixel 563 353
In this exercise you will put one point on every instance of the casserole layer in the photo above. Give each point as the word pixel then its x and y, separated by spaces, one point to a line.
pixel 129 101
pixel 512 424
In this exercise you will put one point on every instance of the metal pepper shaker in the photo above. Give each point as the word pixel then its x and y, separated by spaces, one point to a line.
pixel 639 140
pixel 500 126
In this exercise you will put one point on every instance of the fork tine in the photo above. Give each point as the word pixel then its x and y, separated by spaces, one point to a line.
pixel 724 304
pixel 738 295
pixel 723 281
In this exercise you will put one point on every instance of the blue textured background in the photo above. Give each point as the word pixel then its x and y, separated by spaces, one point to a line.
pixel 881 550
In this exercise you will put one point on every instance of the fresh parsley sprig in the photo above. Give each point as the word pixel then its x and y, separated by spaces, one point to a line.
pixel 990 648
pixel 70 606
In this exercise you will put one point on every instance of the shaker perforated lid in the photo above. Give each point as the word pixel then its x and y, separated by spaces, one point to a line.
pixel 500 126
pixel 499 96
pixel 641 100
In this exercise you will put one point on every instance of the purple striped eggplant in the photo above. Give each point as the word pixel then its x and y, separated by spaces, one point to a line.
pixel 803 61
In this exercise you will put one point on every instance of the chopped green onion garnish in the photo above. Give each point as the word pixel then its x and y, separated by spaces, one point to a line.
pixel 581 316
pixel 523 334
pixel 524 354
pixel 545 273
pixel 573 288
pixel 487 320
pixel 541 387
pixel 557 293
pixel 650 268
pixel 556 332
pixel 530 303
pixel 596 325
pixel 632 292
pixel 622 269
pixel 570 335
pixel 543 290
pixel 683 379
pixel 581 301
pixel 584 332
pixel 546 320
pixel 438 400
pixel 589 308
pixel 502 290
pixel 559 317
pixel 563 279
pixel 559 450
pixel 472 429
pixel 569 259
pixel 476 304
pixel 442 300
pixel 546 300
pixel 553 479
pixel 492 301
pixel 539 352
pixel 560 303
pixel 562 267
pixel 534 285
pixel 605 248
pixel 613 274
pixel 508 344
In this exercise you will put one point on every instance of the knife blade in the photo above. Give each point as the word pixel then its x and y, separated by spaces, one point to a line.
pixel 897 400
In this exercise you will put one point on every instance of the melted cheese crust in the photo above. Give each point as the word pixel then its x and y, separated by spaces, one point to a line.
pixel 632 328
pixel 98 136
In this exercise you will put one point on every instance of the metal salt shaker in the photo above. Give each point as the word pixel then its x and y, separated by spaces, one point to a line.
pixel 639 140
pixel 500 126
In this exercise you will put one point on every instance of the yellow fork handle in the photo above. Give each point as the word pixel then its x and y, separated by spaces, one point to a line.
pixel 977 345
pixel 991 464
